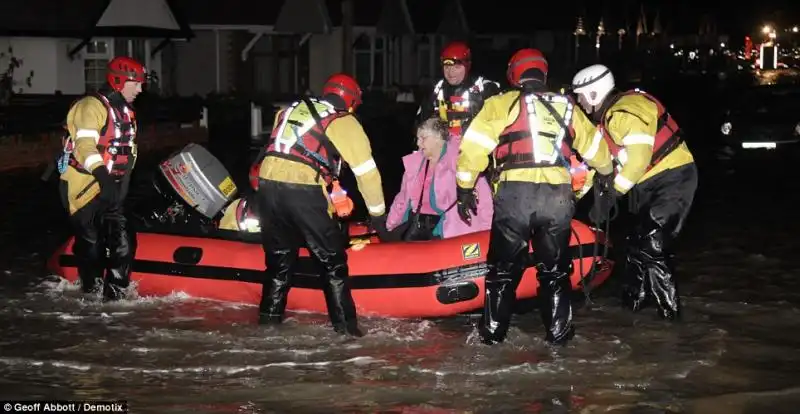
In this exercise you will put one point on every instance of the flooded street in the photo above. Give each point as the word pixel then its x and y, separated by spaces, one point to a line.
pixel 734 353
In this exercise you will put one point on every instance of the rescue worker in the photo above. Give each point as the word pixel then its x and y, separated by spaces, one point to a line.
pixel 241 214
pixel 460 95
pixel 653 165
pixel 310 140
pixel 99 156
pixel 530 133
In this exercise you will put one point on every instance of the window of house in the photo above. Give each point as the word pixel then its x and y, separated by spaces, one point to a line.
pixel 98 53
pixel 275 64
pixel 370 60
pixel 379 62
pixel 424 63
pixel 134 48
pixel 362 60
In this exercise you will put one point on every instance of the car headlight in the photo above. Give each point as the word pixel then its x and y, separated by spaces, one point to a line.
pixel 726 128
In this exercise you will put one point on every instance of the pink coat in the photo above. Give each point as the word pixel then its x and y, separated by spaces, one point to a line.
pixel 444 188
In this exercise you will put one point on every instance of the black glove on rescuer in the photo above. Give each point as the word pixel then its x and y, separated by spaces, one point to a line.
pixel 109 190
pixel 467 203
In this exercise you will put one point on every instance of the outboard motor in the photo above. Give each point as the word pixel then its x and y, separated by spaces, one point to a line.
pixel 191 188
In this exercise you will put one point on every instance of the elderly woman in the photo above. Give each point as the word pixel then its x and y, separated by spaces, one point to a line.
pixel 424 207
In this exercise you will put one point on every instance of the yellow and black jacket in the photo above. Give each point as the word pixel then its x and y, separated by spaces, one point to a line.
pixel 102 133
pixel 643 138
pixel 289 157
pixel 504 128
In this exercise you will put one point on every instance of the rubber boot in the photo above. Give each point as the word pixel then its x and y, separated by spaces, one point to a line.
pixel 117 282
pixel 498 306
pixel 339 300
pixel 275 288
pixel 91 277
pixel 634 294
pixel 664 290
pixel 90 264
pixel 555 307
pixel 121 252
pixel 274 293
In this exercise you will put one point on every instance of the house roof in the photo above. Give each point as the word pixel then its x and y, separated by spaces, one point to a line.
pixel 92 18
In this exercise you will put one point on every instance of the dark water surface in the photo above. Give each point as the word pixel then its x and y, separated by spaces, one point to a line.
pixel 734 353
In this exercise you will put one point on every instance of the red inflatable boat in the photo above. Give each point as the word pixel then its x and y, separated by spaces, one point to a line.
pixel 403 279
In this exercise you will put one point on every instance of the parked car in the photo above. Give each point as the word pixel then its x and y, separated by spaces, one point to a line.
pixel 761 118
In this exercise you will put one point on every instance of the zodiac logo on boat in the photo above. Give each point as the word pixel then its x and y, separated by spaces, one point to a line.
pixel 471 251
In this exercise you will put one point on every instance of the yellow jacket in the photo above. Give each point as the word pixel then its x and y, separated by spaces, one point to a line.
pixel 85 120
pixel 632 122
pixel 501 111
pixel 231 221
pixel 350 140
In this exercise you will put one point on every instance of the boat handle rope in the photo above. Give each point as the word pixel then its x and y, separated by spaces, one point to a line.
pixel 595 249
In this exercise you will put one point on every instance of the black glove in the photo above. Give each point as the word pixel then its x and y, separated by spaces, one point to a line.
pixel 109 189
pixel 605 197
pixel 467 203
pixel 378 224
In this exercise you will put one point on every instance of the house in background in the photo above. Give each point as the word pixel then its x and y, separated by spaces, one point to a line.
pixel 287 47
pixel 273 48
pixel 68 43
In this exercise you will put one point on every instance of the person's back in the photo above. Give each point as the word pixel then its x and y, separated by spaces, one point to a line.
pixel 529 133
pixel 309 143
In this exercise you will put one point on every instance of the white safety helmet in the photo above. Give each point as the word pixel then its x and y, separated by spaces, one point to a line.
pixel 594 83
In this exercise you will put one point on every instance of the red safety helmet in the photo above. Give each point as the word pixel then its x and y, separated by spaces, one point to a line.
pixel 456 53
pixel 524 60
pixel 122 69
pixel 344 86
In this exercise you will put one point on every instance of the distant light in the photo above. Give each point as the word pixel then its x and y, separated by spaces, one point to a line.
pixel 722 44
pixel 672 45
pixel 766 29
pixel 765 145
pixel 726 128
pixel 795 29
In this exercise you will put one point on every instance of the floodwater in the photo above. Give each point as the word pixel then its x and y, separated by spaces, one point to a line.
pixel 734 353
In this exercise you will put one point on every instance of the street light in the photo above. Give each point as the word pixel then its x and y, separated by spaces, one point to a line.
pixel 795 29
pixel 766 29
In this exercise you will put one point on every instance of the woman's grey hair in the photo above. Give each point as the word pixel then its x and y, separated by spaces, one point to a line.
pixel 436 126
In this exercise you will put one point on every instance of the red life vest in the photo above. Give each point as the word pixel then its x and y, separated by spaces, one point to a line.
pixel 668 133
pixel 458 109
pixel 310 145
pixel 516 148
pixel 116 142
